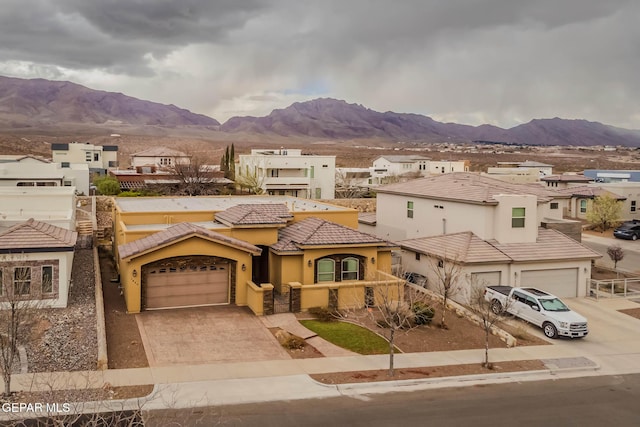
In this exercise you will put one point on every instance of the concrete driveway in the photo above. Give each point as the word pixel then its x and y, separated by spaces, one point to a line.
pixel 203 335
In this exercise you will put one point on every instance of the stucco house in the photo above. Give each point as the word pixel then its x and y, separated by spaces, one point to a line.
pixel 53 205
pixel 176 252
pixel 158 157
pixel 289 172
pixel 500 232
pixel 35 263
pixel 30 172
pixel 99 158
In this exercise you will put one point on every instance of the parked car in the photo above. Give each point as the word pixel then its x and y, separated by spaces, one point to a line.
pixel 415 278
pixel 628 230
pixel 539 308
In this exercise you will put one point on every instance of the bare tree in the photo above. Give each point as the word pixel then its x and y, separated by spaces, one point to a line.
pixel 347 184
pixel 195 178
pixel 17 312
pixel 447 273
pixel 488 312
pixel 616 253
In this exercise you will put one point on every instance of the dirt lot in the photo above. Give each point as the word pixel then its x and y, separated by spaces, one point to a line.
pixel 124 345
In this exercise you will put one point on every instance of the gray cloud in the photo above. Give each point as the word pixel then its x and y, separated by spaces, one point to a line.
pixel 495 61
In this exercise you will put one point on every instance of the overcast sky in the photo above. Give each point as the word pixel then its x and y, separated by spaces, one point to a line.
pixel 502 62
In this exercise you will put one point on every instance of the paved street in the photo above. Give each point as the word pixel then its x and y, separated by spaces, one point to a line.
pixel 610 400
pixel 631 261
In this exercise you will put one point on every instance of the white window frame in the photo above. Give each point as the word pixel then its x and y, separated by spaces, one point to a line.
pixel 343 273
pixel 326 273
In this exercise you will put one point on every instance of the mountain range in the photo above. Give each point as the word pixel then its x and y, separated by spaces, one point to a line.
pixel 43 103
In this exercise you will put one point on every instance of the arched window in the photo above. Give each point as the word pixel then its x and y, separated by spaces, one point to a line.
pixel 326 270
pixel 350 269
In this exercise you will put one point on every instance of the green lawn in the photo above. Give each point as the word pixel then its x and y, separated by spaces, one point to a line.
pixel 349 336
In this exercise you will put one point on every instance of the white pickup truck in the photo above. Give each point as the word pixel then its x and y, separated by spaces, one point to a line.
pixel 539 308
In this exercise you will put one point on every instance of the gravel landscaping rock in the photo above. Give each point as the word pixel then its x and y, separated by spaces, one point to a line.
pixel 65 339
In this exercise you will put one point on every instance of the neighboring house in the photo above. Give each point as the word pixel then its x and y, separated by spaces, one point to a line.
pixel 26 173
pixel 504 218
pixel 53 205
pixel 98 158
pixel 388 168
pixel 159 157
pixel 515 175
pixel 176 252
pixel 582 197
pixel 611 176
pixel 629 194
pixel 542 169
pixel 288 172
pixel 35 263
pixel 565 180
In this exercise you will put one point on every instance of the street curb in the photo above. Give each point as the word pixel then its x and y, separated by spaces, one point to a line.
pixel 457 379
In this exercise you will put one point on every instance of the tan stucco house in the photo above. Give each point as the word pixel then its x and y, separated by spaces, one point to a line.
pixel 498 232
pixel 178 252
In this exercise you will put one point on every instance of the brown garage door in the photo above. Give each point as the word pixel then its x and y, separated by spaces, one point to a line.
pixel 186 287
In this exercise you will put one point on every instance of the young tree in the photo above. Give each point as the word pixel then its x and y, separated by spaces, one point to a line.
pixel 489 313
pixel 195 177
pixel 604 212
pixel 447 273
pixel 17 312
pixel 616 253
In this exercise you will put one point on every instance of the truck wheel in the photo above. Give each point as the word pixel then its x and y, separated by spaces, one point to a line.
pixel 549 330
pixel 496 307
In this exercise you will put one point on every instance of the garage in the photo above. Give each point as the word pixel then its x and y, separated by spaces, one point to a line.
pixel 481 280
pixel 562 282
pixel 186 284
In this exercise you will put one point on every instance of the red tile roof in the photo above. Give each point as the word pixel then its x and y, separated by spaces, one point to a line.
pixel 178 232
pixel 37 235
pixel 319 232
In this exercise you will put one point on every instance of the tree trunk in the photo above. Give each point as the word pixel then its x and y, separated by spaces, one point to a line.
pixel 486 349
pixel 443 325
pixel 392 332
pixel 6 377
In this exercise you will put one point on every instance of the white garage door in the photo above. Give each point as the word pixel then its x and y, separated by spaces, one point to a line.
pixel 562 282
pixel 187 287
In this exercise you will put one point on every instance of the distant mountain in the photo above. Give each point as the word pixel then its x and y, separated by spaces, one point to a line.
pixel 40 102
pixel 330 118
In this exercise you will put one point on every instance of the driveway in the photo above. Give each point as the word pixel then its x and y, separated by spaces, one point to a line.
pixel 610 332
pixel 202 335
pixel 631 260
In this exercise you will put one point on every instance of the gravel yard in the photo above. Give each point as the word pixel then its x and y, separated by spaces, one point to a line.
pixel 65 339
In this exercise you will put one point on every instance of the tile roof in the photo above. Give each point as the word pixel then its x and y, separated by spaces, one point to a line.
pixel 36 235
pixel 588 191
pixel 255 214
pixel 369 218
pixel 177 232
pixel 319 232
pixel 467 187
pixel 466 247
pixel 550 245
pixel 160 152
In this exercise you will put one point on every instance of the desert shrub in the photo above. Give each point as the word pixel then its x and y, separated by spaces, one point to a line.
pixel 323 314
pixel 294 342
pixel 423 313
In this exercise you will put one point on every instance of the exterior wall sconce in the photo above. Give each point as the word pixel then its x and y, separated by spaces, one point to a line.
pixel 373 260
pixel 309 263
pixel 244 267
pixel 135 273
